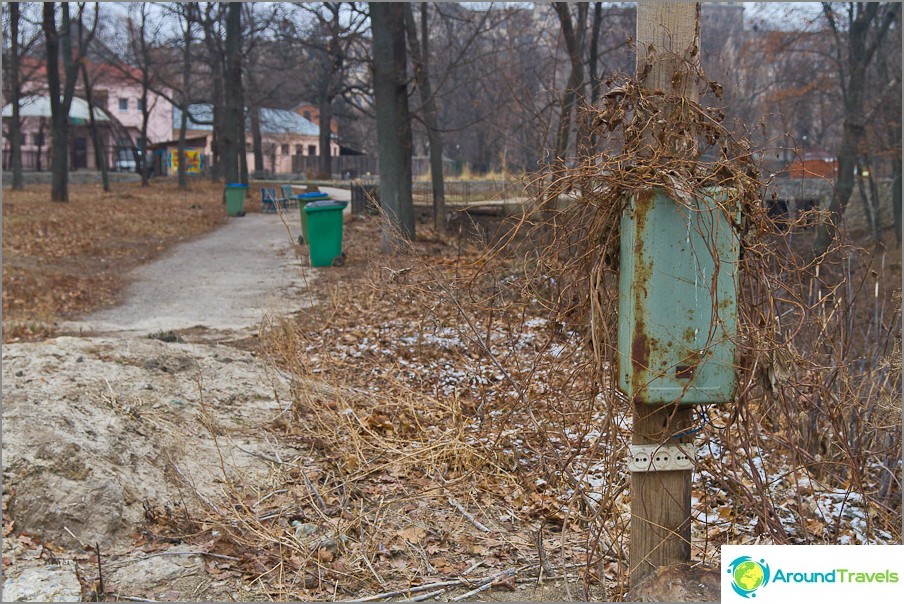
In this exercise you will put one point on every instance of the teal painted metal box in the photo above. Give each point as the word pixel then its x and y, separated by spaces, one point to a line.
pixel 677 322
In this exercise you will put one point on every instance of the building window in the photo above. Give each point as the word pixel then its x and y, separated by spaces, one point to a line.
pixel 123 104
pixel 285 149
pixel 335 152
pixel 139 105
pixel 307 115
pixel 299 149
pixel 312 149
pixel 39 139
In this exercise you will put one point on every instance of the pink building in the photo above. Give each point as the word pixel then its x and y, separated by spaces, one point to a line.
pixel 285 135
pixel 116 93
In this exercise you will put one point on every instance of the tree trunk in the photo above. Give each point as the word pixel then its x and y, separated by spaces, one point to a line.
pixel 865 32
pixel 257 141
pixel 100 158
pixel 60 101
pixel 420 55
pixel 326 117
pixel 896 195
pixel 185 98
pixel 594 52
pixel 15 125
pixel 573 94
pixel 217 70
pixel 233 77
pixel 42 128
pixel 393 123
pixel 867 203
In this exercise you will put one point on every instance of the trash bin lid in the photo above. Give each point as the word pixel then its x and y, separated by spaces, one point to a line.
pixel 236 185
pixel 325 204
pixel 313 196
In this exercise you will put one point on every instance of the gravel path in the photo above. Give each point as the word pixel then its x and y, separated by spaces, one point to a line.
pixel 226 280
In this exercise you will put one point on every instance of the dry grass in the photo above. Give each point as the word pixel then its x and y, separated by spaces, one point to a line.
pixel 62 259
pixel 443 391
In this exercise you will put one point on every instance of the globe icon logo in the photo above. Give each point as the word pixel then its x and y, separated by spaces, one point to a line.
pixel 748 575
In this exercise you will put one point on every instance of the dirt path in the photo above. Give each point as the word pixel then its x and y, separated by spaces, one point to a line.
pixel 100 426
pixel 223 282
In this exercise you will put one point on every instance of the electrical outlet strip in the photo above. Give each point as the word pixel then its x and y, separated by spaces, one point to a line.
pixel 660 458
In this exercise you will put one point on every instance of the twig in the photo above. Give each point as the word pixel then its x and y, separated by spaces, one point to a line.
pixel 411 590
pixel 99 589
pixel 313 489
pixel 266 497
pixel 486 584
pixel 374 572
pixel 428 595
pixel 472 568
pixel 189 553
pixel 541 551
pixel 80 542
pixel 468 516
pixel 131 599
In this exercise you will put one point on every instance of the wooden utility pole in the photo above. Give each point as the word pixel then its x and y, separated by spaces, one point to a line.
pixel 661 501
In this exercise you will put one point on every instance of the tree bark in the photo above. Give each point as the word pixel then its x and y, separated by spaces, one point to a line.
pixel 860 47
pixel 233 126
pixel 15 125
pixel 59 107
pixel 100 158
pixel 144 55
pixel 257 141
pixel 187 11
pixel 420 53
pixel 594 52
pixel 393 123
pixel 326 116
pixel 573 93
pixel 896 196
pixel 217 70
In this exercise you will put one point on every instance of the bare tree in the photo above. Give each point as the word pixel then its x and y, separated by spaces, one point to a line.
pixel 100 157
pixel 141 40
pixel 390 79
pixel 234 123
pixel 331 52
pixel 420 53
pixel 188 12
pixel 574 31
pixel 61 91
pixel 858 33
pixel 15 137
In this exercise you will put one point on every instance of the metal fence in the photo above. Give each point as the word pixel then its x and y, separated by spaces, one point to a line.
pixel 343 167
pixel 469 190
pixel 119 159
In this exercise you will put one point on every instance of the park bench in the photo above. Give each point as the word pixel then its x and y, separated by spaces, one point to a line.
pixel 289 199
pixel 269 201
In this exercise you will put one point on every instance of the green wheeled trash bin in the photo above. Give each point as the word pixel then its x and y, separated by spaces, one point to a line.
pixel 324 233
pixel 303 200
pixel 235 199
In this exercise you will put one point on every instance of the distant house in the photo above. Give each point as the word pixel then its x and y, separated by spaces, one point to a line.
pixel 34 114
pixel 311 112
pixel 815 164
pixel 116 95
pixel 284 135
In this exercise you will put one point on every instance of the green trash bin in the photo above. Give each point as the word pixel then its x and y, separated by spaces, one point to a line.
pixel 235 199
pixel 303 200
pixel 324 234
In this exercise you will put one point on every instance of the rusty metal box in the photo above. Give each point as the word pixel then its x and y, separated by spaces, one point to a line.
pixel 677 322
